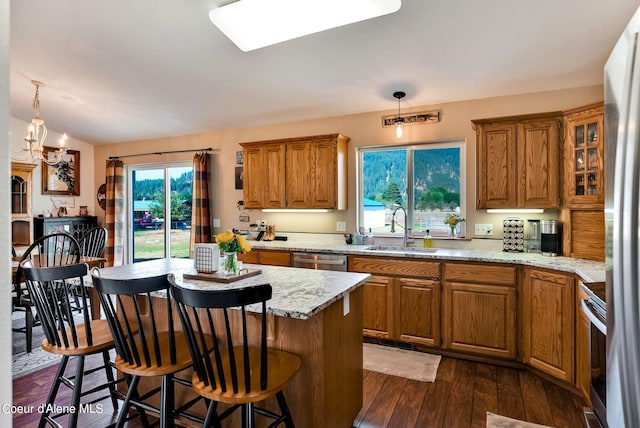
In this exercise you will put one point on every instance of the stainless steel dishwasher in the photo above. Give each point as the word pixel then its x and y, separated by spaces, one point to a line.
pixel 320 261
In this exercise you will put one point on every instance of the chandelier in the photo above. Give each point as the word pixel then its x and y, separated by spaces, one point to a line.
pixel 37 134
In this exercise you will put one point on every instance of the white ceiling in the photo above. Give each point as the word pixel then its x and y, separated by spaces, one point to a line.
pixel 120 70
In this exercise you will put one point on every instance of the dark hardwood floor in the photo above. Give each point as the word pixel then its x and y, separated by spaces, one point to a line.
pixel 460 397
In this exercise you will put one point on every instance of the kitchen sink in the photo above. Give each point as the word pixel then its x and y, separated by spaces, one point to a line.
pixel 398 249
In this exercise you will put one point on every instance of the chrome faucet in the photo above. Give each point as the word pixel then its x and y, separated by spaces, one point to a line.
pixel 393 224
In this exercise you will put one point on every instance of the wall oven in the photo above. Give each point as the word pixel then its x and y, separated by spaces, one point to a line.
pixel 595 309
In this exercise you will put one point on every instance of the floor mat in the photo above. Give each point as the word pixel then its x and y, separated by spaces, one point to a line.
pixel 400 362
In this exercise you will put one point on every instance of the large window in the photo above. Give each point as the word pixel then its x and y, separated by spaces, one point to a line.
pixel 427 180
pixel 160 210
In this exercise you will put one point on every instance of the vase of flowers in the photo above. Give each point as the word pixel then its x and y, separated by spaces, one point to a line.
pixel 453 220
pixel 231 244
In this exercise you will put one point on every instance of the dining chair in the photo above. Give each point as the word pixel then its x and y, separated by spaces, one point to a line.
pixel 147 343
pixel 69 336
pixel 55 249
pixel 237 369
pixel 93 242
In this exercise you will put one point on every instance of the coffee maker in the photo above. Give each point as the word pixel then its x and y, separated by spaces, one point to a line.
pixel 549 237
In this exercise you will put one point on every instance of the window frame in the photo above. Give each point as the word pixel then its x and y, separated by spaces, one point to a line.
pixel 410 148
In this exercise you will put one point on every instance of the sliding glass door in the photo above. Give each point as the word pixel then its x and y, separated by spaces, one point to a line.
pixel 160 210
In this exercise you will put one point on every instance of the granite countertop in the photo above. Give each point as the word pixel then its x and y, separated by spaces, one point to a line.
pixel 588 270
pixel 297 293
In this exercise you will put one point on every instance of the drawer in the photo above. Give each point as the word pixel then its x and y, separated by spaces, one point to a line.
pixel 479 273
pixel 398 267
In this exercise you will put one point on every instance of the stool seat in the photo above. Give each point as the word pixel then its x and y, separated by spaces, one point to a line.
pixel 281 367
pixel 101 336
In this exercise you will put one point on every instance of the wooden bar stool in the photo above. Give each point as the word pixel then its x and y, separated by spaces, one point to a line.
pixel 238 369
pixel 147 343
pixel 49 289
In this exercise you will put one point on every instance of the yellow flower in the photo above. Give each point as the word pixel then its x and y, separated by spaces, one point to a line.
pixel 230 242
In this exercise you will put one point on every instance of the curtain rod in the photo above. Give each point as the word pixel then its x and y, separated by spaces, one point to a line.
pixel 208 149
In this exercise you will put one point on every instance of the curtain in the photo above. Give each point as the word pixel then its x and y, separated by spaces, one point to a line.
pixel 200 214
pixel 115 216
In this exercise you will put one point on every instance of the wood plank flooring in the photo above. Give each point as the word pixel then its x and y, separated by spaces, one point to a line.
pixel 460 397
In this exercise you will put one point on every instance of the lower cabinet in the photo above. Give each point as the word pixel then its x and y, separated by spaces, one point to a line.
pixel 399 307
pixel 479 309
pixel 267 257
pixel 548 322
pixel 378 307
pixel 417 311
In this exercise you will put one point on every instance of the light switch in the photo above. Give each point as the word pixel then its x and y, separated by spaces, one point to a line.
pixel 216 222
pixel 341 226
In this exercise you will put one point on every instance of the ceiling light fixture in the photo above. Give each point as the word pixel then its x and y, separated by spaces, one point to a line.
pixel 253 24
pixel 399 120
pixel 37 134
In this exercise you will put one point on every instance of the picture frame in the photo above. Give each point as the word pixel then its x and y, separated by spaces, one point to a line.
pixel 239 176
pixel 240 157
pixel 62 178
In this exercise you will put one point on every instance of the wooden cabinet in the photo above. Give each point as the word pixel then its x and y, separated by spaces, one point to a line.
pixel 401 301
pixel 21 200
pixel 548 322
pixel 296 173
pixel 479 309
pixel 584 157
pixel 417 311
pixel 583 207
pixel 518 161
pixel 267 257
pixel 264 172
pixel 75 226
pixel 378 314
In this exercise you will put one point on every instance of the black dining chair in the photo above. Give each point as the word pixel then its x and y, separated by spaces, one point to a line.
pixel 234 368
pixel 93 242
pixel 139 313
pixel 49 289
pixel 55 249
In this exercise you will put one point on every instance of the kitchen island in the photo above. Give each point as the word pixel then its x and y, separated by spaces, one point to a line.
pixel 315 314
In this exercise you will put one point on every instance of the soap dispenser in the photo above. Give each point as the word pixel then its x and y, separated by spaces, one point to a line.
pixel 427 240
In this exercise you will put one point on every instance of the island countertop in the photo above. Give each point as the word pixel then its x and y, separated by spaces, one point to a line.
pixel 297 293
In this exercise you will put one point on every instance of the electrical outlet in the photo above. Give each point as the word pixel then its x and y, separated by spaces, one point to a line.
pixel 216 222
pixel 341 226
pixel 483 229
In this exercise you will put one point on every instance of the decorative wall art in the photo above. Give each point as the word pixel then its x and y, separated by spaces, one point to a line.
pixel 239 177
pixel 63 177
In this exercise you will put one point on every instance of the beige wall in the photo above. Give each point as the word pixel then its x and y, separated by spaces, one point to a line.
pixel 365 130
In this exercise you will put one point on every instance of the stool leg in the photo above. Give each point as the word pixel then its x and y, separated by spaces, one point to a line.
pixel 126 405
pixel 77 391
pixel 248 419
pixel 166 402
pixel 54 390
pixel 106 358
pixel 284 410
pixel 28 328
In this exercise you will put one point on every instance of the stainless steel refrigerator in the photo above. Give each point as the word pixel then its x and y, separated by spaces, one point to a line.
pixel 622 216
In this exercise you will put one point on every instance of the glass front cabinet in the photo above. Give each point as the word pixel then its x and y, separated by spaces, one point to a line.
pixel 584 156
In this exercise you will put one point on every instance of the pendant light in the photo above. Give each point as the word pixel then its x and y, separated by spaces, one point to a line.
pixel 399 120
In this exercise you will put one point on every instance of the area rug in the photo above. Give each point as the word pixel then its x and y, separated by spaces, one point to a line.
pixel 400 362
pixel 24 363
pixel 497 421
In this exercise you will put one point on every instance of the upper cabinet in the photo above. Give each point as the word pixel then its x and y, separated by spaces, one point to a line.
pixel 518 161
pixel 21 194
pixel 584 154
pixel 294 173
